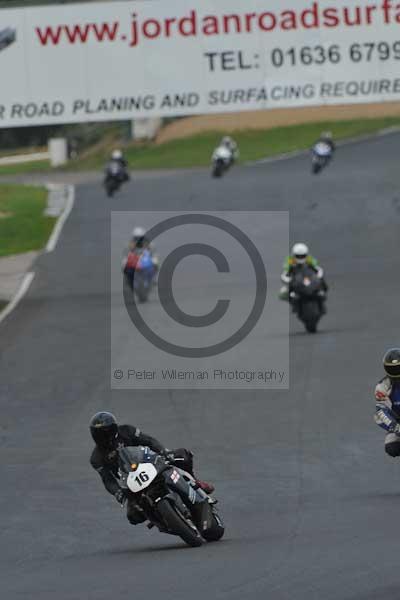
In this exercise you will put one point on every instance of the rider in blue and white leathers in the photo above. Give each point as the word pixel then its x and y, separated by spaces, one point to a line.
pixel 387 395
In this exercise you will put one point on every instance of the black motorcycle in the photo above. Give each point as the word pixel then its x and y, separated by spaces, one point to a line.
pixel 115 176
pixel 321 156
pixel 306 296
pixel 169 497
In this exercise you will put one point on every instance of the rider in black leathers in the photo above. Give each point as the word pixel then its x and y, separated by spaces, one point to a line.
pixel 109 437
pixel 118 158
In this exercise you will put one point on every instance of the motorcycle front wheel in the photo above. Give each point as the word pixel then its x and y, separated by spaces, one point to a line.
pixel 178 525
pixel 142 293
pixel 310 315
pixel 216 531
pixel 111 188
pixel 316 167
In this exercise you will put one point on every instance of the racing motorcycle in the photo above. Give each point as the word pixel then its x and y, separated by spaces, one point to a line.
pixel 306 295
pixel 143 275
pixel 221 161
pixel 115 176
pixel 321 155
pixel 169 497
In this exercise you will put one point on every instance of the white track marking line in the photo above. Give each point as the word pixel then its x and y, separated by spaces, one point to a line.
pixel 52 243
pixel 23 288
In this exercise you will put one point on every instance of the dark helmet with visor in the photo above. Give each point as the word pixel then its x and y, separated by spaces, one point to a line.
pixel 391 363
pixel 104 429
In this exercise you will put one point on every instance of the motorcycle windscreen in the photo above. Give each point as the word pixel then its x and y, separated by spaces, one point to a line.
pixel 130 455
pixel 322 149
pixel 305 281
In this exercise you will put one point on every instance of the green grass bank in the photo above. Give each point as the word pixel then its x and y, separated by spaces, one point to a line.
pixel 23 225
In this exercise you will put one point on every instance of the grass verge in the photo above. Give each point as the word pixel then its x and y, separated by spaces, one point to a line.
pixel 23 226
pixel 25 168
pixel 196 151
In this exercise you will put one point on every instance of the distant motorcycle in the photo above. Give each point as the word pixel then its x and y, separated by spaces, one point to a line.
pixel 222 160
pixel 306 293
pixel 115 176
pixel 169 497
pixel 321 156
pixel 140 269
pixel 143 276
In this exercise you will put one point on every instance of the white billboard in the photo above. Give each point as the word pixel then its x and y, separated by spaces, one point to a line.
pixel 121 60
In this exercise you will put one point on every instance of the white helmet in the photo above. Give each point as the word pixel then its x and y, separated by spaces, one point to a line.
pixel 326 135
pixel 138 233
pixel 116 155
pixel 300 252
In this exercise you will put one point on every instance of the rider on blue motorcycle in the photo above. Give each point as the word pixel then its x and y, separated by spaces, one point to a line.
pixel 139 243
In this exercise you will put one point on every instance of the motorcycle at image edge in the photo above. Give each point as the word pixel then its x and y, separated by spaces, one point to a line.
pixel 221 161
pixel 306 294
pixel 169 497
pixel 321 156
pixel 115 176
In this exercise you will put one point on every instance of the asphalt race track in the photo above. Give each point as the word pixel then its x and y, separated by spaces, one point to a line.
pixel 309 498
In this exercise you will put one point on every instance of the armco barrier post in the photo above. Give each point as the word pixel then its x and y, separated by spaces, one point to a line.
pixel 145 129
pixel 58 150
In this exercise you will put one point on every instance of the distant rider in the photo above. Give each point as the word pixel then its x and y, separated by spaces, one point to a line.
pixel 109 437
pixel 387 395
pixel 139 242
pixel 301 256
pixel 327 138
pixel 118 158
pixel 230 144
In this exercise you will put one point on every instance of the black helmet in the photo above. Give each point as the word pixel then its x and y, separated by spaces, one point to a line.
pixel 104 429
pixel 391 363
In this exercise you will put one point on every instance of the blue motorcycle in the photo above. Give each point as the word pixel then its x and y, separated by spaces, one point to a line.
pixel 143 276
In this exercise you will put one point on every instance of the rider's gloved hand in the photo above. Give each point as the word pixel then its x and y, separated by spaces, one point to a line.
pixel 120 496
pixel 396 429
pixel 168 454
